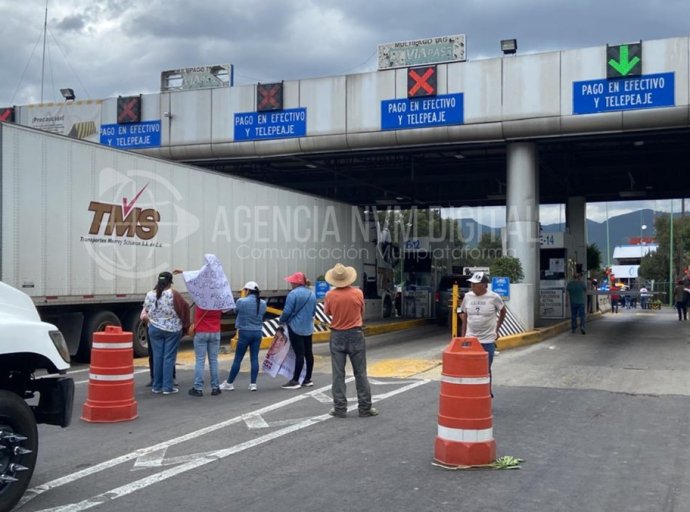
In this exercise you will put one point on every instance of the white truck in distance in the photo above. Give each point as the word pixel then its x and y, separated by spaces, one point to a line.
pixel 28 345
pixel 87 228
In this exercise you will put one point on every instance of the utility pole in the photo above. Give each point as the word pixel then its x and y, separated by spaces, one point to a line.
pixel 43 62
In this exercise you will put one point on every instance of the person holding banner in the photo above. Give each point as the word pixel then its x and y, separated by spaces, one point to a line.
pixel 298 314
pixel 167 314
pixel 249 322
pixel 210 290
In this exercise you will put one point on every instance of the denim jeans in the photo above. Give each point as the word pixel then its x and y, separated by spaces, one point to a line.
pixel 206 343
pixel 577 311
pixel 164 345
pixel 344 344
pixel 251 339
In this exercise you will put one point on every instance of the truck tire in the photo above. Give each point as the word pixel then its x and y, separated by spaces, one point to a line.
pixel 96 321
pixel 140 334
pixel 18 448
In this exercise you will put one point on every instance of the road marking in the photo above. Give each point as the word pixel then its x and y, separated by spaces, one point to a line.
pixel 401 368
pixel 201 459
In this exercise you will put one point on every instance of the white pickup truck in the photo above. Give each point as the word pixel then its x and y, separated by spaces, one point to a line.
pixel 28 346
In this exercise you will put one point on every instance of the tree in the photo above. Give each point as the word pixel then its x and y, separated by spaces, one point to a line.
pixel 508 266
pixel 593 258
pixel 656 265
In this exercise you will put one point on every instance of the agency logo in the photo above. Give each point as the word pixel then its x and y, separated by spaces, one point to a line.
pixel 135 220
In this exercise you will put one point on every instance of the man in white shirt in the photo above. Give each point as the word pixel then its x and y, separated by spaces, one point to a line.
pixel 482 313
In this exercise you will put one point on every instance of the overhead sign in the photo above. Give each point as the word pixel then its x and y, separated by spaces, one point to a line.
pixel 7 114
pixel 401 114
pixel 271 125
pixel 501 286
pixel 132 136
pixel 624 60
pixel 128 109
pixel 418 52
pixel 199 77
pixel 78 120
pixel 269 97
pixel 634 93
pixel 421 82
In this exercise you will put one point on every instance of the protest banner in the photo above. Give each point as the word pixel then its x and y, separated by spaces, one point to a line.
pixel 209 287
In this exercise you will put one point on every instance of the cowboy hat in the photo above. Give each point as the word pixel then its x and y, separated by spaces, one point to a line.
pixel 341 276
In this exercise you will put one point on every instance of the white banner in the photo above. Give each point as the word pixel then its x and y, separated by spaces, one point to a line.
pixel 210 287
pixel 280 358
pixel 79 120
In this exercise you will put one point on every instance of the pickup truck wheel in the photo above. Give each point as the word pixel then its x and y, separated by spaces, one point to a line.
pixel 95 322
pixel 18 448
pixel 140 334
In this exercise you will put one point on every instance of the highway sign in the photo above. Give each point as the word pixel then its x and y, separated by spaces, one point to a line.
pixel 283 124
pixel 400 114
pixel 633 93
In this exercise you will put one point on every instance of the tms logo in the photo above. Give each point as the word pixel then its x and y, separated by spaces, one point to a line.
pixel 125 219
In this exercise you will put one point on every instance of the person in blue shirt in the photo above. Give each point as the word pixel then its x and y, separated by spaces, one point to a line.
pixel 298 314
pixel 250 312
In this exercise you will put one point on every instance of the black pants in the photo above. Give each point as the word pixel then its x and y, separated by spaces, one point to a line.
pixel 302 346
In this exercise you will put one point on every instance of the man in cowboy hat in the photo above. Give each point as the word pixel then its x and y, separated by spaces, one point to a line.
pixel 345 304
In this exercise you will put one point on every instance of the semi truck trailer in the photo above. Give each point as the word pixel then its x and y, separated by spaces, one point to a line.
pixel 86 229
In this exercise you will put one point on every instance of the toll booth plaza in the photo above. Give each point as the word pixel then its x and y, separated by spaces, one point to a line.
pixel 600 421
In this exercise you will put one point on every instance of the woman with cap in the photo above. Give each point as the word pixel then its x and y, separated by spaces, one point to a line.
pixel 298 314
pixel 168 317
pixel 345 304
pixel 250 312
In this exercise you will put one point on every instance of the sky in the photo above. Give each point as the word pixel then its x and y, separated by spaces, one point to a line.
pixel 106 48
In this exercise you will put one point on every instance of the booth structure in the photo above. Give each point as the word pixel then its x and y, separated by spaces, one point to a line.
pixel 418 279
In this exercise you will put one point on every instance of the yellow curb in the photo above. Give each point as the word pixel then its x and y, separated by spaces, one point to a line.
pixel 401 368
pixel 537 335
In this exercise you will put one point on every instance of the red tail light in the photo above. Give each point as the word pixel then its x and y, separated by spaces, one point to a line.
pixel 437 296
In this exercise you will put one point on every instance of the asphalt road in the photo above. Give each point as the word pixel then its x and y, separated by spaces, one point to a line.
pixel 601 421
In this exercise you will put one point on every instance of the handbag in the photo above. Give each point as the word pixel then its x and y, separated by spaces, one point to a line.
pixel 191 331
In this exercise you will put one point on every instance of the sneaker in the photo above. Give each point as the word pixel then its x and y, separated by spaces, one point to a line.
pixel 195 392
pixel 308 384
pixel 583 331
pixel 226 386
pixel 368 413
pixel 252 387
pixel 337 414
pixel 293 384
pixel 215 392
pixel 156 391
pixel 171 392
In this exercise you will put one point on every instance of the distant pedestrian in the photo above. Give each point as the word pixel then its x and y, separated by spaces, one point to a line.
pixel 615 298
pixel 679 300
pixel 298 314
pixel 482 313
pixel 577 293
pixel 644 298
pixel 345 304
pixel 168 318
pixel 249 323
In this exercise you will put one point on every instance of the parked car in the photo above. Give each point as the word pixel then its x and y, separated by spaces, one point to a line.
pixel 444 295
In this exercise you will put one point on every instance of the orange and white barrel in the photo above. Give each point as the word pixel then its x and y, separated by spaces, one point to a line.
pixel 465 422
pixel 111 378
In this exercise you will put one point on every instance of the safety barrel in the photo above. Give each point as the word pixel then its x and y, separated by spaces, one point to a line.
pixel 110 396
pixel 465 422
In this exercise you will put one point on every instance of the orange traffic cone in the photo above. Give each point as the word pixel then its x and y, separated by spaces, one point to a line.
pixel 111 378
pixel 465 423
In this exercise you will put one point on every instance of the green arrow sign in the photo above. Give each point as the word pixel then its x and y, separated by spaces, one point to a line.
pixel 624 60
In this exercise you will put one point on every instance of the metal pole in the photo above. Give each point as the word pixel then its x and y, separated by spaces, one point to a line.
pixel 43 63
pixel 608 241
pixel 670 261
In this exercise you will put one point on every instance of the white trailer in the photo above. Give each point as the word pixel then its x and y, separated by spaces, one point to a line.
pixel 86 229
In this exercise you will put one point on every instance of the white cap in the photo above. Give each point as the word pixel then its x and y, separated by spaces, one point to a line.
pixel 479 277
pixel 251 285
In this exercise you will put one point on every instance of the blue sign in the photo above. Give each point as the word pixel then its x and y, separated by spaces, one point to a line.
pixel 425 112
pixel 633 93
pixel 501 286
pixel 282 124
pixel 146 134
pixel 321 288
